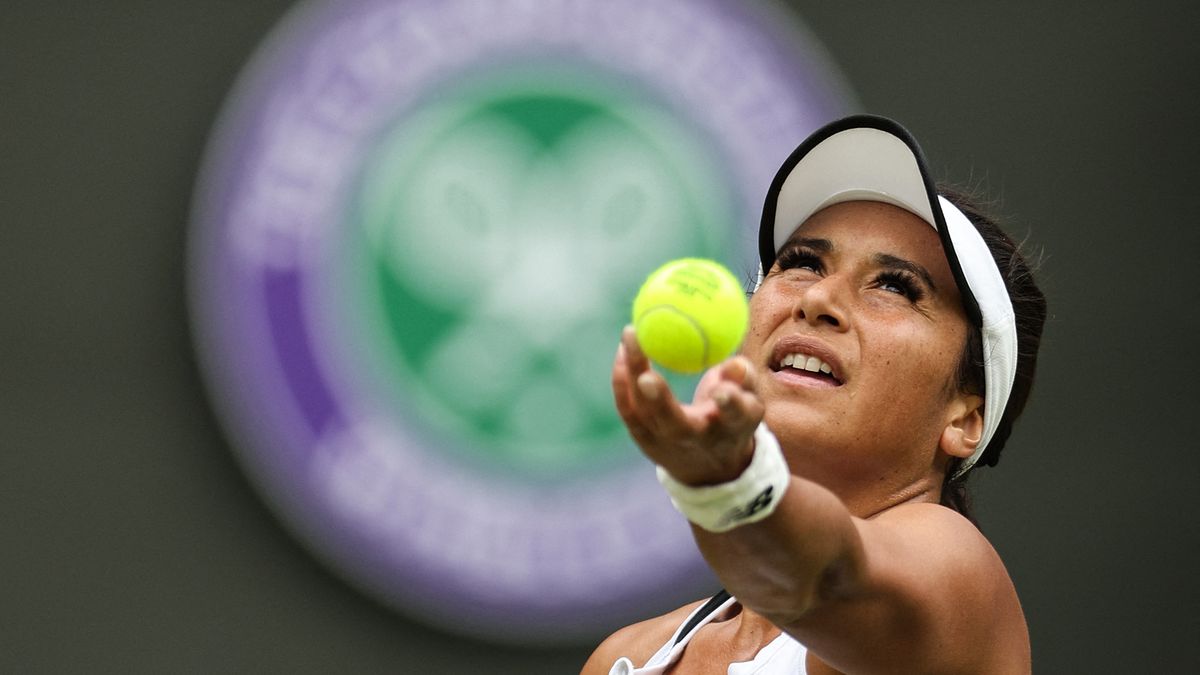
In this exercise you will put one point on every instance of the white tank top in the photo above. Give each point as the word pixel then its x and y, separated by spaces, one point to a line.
pixel 782 656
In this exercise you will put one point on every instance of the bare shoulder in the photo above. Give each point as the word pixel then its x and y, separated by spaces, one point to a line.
pixel 935 538
pixel 638 642
pixel 939 565
pixel 933 519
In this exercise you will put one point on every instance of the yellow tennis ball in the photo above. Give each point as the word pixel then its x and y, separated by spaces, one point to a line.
pixel 690 314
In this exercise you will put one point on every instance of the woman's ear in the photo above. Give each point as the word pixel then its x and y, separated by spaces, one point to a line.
pixel 961 435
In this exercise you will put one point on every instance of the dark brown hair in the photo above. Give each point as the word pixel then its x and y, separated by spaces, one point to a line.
pixel 1029 308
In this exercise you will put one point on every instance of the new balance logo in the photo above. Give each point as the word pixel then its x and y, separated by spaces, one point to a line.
pixel 760 502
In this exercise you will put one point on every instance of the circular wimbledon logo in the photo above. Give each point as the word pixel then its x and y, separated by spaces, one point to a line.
pixel 416 237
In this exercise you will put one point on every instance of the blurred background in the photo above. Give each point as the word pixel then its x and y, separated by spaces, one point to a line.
pixel 134 541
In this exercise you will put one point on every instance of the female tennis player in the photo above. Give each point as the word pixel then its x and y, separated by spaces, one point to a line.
pixel 892 342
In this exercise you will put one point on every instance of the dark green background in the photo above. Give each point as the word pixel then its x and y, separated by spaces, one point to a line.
pixel 131 542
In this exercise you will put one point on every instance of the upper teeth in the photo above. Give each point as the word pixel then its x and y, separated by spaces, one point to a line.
pixel 805 362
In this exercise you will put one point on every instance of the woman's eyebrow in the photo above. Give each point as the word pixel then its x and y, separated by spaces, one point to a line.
pixel 891 261
pixel 817 245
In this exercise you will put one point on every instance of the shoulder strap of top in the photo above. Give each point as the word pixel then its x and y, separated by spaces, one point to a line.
pixel 709 607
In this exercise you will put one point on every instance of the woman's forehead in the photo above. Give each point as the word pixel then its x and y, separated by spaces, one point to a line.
pixel 875 222
pixel 871 229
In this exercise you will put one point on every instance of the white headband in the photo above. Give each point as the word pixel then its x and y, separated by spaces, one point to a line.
pixel 875 159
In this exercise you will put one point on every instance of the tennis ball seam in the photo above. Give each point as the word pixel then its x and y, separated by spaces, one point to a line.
pixel 700 331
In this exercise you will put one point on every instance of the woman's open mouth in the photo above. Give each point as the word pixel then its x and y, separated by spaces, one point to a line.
pixel 806 369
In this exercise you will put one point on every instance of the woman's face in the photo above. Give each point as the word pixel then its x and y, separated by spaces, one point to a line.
pixel 862 294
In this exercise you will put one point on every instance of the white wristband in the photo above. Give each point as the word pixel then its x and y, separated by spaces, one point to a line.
pixel 746 499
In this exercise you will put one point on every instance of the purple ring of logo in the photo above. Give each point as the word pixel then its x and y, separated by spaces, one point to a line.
pixel 259 223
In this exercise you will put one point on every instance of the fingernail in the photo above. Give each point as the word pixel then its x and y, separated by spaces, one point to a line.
pixel 721 397
pixel 732 367
pixel 648 385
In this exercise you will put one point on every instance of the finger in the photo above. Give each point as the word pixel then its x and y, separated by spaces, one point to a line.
pixel 737 409
pixel 736 392
pixel 643 398
pixel 653 394
pixel 629 395
pixel 740 371
pixel 627 407
pixel 622 396
pixel 638 397
pixel 732 371
pixel 635 367
pixel 658 408
pixel 635 358
pixel 708 382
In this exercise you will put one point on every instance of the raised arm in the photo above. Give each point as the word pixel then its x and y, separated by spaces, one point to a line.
pixel 916 585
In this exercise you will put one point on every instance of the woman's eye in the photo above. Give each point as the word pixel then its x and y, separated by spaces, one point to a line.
pixel 801 259
pixel 900 284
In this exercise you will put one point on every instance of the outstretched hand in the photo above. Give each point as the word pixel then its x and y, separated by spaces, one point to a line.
pixel 706 442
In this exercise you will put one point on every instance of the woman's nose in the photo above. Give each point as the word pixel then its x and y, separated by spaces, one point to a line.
pixel 821 303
